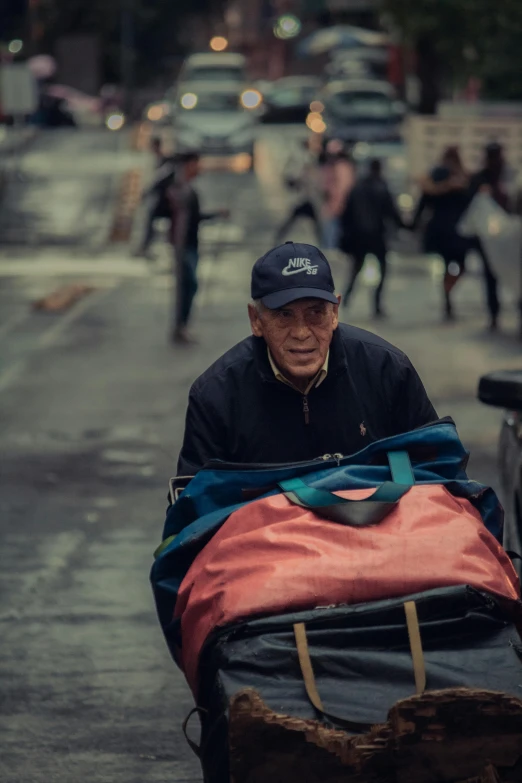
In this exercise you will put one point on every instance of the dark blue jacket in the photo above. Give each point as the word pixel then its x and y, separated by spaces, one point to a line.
pixel 239 412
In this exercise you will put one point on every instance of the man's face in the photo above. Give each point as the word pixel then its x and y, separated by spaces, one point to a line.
pixel 191 169
pixel 298 335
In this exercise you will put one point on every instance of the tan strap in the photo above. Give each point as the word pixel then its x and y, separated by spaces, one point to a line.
pixel 306 666
pixel 419 667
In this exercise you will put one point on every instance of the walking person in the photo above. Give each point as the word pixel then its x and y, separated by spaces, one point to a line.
pixel 186 218
pixel 445 194
pixel 159 206
pixel 491 179
pixel 301 174
pixel 364 223
pixel 337 180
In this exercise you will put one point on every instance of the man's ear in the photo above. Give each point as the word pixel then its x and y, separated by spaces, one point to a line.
pixel 336 312
pixel 255 321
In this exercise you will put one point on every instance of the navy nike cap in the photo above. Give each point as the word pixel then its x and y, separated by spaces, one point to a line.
pixel 292 271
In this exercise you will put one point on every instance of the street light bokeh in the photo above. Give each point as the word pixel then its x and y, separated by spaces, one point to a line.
pixel 287 26
pixel 16 46
pixel 218 43
pixel 315 122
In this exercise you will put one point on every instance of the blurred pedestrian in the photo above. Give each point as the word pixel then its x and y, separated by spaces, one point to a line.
pixel 301 172
pixel 491 179
pixel 493 176
pixel 186 218
pixel 157 194
pixel 445 194
pixel 337 180
pixel 364 223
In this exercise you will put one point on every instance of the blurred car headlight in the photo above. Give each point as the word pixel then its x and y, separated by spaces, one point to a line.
pixel 115 122
pixel 251 99
pixel 189 100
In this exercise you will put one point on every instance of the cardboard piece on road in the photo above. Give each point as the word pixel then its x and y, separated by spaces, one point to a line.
pixel 18 92
pixel 62 298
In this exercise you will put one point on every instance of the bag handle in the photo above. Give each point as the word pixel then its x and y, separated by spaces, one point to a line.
pixel 400 467
pixel 355 513
pixel 195 748
pixel 307 672
pixel 417 654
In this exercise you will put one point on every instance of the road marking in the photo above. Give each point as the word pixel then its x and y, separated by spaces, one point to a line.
pixel 51 336
pixel 78 268
pixel 53 558
pixel 12 323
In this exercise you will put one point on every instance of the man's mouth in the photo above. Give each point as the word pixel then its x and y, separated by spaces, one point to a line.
pixel 302 352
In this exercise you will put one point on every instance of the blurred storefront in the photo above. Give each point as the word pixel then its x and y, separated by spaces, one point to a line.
pixel 249 28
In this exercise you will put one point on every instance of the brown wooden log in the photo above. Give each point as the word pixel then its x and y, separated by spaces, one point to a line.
pixel 268 746
pixel 452 736
pixel 455 734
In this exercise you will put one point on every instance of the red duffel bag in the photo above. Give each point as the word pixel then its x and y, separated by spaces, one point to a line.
pixel 272 557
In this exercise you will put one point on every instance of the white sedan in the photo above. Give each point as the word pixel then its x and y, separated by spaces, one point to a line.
pixel 218 120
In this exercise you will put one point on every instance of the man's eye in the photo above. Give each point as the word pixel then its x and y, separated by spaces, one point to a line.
pixel 285 313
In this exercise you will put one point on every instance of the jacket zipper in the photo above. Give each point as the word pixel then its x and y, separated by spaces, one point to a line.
pixel 306 410
pixel 214 464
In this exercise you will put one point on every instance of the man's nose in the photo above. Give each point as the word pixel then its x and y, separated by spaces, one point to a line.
pixel 300 330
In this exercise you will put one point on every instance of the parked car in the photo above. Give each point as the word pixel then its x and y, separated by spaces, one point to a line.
pixel 213 119
pixel 288 100
pixel 503 389
pixel 374 59
pixel 348 68
pixel 361 110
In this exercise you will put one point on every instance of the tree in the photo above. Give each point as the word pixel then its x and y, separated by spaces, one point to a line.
pixel 457 39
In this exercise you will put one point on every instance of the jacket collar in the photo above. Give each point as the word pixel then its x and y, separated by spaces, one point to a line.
pixel 337 362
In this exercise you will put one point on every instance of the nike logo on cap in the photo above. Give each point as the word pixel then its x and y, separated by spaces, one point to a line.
pixel 297 265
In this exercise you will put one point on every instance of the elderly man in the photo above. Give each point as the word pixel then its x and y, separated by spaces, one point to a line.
pixel 302 385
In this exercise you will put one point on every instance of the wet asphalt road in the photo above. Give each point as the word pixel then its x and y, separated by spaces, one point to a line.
pixel 92 406
pixel 61 189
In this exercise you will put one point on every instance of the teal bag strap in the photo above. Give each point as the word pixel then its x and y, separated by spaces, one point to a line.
pixel 400 467
pixel 355 513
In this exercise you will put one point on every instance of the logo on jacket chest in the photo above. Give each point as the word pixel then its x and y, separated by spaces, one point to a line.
pixel 297 265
